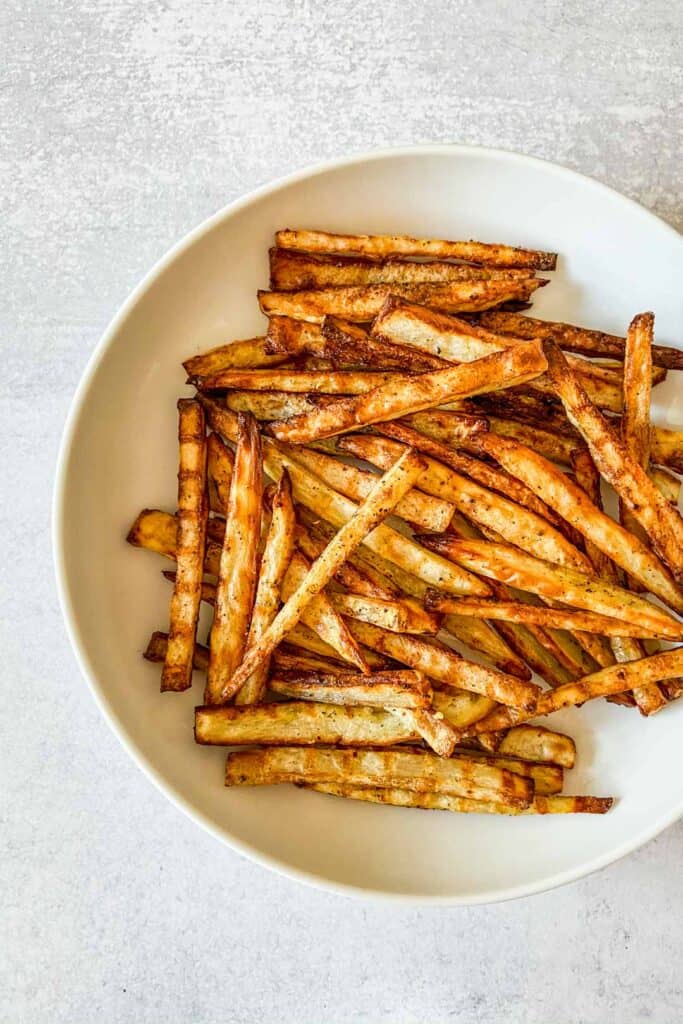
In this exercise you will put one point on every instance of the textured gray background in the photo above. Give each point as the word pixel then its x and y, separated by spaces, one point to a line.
pixel 123 124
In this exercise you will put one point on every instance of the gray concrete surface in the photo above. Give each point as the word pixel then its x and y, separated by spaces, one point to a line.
pixel 123 124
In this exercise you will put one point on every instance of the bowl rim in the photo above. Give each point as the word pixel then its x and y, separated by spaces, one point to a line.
pixel 58 527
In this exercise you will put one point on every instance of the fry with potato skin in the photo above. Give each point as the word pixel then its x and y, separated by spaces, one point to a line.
pixel 399 689
pixel 347 343
pixel 191 517
pixel 536 743
pixel 382 499
pixel 414 394
pixel 421 773
pixel 268 405
pixel 220 463
pixel 393 615
pixel 331 382
pixel 238 570
pixel 388 246
pixel 311 642
pixel 659 519
pixel 158 645
pixel 236 354
pixel 635 420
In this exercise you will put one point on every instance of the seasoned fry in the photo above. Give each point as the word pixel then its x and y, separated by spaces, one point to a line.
pixel 309 641
pixel 393 615
pixel 156 531
pixel 574 339
pixel 667 483
pixel 463 805
pixel 516 524
pixel 635 420
pixel 666 448
pixel 658 518
pixel 446 666
pixel 382 499
pixel 291 270
pixel 451 428
pixel 553 446
pixel 382 247
pixel 277 555
pixel 220 463
pixel 238 570
pixel 510 565
pixel 536 743
pixel 286 658
pixel 236 354
pixel 348 343
pixel 331 382
pixel 416 507
pixel 570 501
pixel 421 773
pixel 361 304
pixel 432 727
pixel 158 645
pixel 400 689
pixel 461 708
pixel 547 778
pixel 268 405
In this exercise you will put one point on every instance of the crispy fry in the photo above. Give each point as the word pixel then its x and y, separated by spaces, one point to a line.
pixel 236 354
pixel 268 405
pixel 666 482
pixel 382 247
pixel 446 666
pixel 156 531
pixel 536 743
pixel 361 304
pixel 512 566
pixel 347 343
pixel 432 727
pixel 515 523
pixel 547 778
pixel 553 446
pixel 479 636
pixel 571 502
pixel 666 448
pixel 309 641
pixel 238 569
pixel 461 708
pixel 421 773
pixel 220 463
pixel 574 339
pixel 382 499
pixel 331 382
pixel 158 645
pixel 451 428
pixel 399 689
pixel 463 805
pixel 635 420
pixel 662 523
pixel 277 554
pixel 287 658
pixel 393 615
pixel 291 270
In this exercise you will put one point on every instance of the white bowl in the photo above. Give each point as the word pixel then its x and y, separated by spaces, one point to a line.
pixel 119 455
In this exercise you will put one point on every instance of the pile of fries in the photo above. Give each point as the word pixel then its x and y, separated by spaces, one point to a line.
pixel 396 516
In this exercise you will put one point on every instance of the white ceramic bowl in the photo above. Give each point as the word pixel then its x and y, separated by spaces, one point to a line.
pixel 119 454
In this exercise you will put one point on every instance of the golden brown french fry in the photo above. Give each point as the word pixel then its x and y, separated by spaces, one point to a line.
pixel 571 502
pixel 331 382
pixel 397 689
pixel 389 489
pixel 158 645
pixel 662 523
pixel 513 611
pixel 327 503
pixel 193 509
pixel 220 463
pixel 451 428
pixel 547 778
pixel 574 339
pixel 479 636
pixel 291 270
pixel 382 247
pixel 615 679
pixel 287 658
pixel 553 446
pixel 432 727
pixel 268 405
pixel 277 554
pixel 393 615
pixel 236 354
pixel 446 666
pixel 347 343
pixel 421 773
pixel 515 523
pixel 510 565
pixel 536 743
pixel 463 805
pixel 502 369
pixel 666 482
pixel 304 638
pixel 461 708
pixel 156 531
pixel 416 507
pixel 635 420
pixel 320 615
pixel 238 570
pixel 666 448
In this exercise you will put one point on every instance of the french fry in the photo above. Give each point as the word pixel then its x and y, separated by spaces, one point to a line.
pixel 666 482
pixel 416 507
pixel 536 743
pixel 547 778
pixel 607 681
pixel 286 658
pixel 510 565
pixel 432 727
pixel 235 355
pixel 158 645
pixel 382 247
pixel 277 555
pixel 479 636
pixel 515 523
pixel 461 708
pixel 440 663
pixel 268 405
pixel 449 427
pixel 361 304
pixel 400 689
pixel 574 339
pixel 290 271
pixel 635 420
pixel 659 519
pixel 192 514
pixel 156 531
pixel 553 446
pixel 331 382
pixel 347 343
pixel 309 641
pixel 238 568
pixel 310 491
pixel 220 463
pixel 421 773
pixel 321 616
pixel 666 448
pixel 570 501
pixel 392 615
pixel 463 805
pixel 382 499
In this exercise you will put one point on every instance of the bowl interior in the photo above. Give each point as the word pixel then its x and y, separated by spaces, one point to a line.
pixel 120 455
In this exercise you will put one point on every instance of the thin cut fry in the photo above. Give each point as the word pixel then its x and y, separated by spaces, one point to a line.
pixel 399 689
pixel 251 353
pixel 191 538
pixel 158 645
pixel 287 658
pixel 220 463
pixel 536 743
pixel 238 569
pixel 421 773
pixel 348 343
pixel 635 420
pixel 463 805
pixel 308 640
pixel 268 405
pixel 384 247
pixel 392 615
pixel 331 382
pixel 382 499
